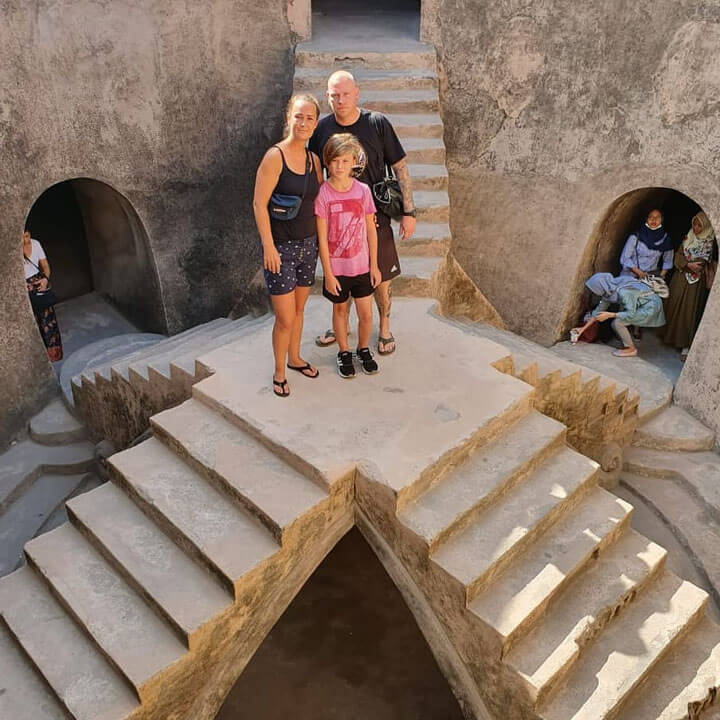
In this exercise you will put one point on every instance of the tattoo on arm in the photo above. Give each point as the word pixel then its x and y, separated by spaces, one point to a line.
pixel 403 176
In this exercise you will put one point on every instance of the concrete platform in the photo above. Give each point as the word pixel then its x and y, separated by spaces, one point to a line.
pixel 436 392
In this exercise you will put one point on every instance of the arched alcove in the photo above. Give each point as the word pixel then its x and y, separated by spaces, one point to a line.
pixel 624 215
pixel 94 240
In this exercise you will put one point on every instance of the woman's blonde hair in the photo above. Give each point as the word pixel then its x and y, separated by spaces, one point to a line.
pixel 344 144
pixel 300 97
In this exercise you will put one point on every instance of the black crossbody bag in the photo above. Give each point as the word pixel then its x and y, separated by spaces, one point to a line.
pixel 286 207
pixel 387 193
pixel 41 299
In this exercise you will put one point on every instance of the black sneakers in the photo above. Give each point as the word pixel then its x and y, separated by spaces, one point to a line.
pixel 369 366
pixel 346 368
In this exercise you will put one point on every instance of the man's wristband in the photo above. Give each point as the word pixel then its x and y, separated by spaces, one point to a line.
pixel 410 213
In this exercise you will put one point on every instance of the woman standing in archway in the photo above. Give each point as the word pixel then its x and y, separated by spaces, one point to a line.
pixel 287 183
pixel 690 285
pixel 37 274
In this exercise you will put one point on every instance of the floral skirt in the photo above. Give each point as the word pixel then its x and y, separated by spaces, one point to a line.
pixel 48 325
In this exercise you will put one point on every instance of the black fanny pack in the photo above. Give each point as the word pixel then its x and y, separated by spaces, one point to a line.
pixel 41 299
pixel 286 207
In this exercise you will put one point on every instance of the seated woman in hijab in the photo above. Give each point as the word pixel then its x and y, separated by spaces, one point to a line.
pixel 639 306
pixel 690 286
pixel 647 251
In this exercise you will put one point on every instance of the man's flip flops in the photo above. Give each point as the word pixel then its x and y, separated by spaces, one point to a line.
pixel 313 372
pixel 386 341
pixel 328 338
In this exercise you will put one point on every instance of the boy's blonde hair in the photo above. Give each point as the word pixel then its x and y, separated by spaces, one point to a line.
pixel 345 144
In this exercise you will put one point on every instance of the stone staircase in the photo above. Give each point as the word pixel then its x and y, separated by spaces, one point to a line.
pixel 37 475
pixel 404 86
pixel 154 596
pixel 116 397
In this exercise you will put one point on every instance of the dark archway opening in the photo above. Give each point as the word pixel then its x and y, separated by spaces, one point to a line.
pixel 625 215
pixel 101 266
pixel 348 20
pixel 347 647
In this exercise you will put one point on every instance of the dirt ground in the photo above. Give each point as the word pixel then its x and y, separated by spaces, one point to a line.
pixel 347 648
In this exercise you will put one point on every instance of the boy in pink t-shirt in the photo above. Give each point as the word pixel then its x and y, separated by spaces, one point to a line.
pixel 347 242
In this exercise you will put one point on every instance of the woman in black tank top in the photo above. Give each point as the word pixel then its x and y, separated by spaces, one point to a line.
pixel 290 246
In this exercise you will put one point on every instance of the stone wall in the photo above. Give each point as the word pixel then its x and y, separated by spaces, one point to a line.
pixel 552 111
pixel 172 105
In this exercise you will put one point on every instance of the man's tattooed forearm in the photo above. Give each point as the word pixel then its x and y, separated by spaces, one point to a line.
pixel 403 176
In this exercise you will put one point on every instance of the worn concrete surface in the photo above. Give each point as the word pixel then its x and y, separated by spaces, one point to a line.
pixel 170 105
pixel 347 647
pixel 427 411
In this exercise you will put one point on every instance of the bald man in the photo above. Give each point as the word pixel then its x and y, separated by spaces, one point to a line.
pixel 382 147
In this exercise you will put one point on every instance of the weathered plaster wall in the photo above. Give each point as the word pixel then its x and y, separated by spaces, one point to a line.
pixel 172 104
pixel 552 110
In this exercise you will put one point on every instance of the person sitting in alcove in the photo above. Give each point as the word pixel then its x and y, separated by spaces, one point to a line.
pixel 639 306
pixel 647 251
pixel 695 262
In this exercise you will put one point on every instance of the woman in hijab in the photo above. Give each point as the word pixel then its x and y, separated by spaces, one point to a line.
pixel 639 306
pixel 690 285
pixel 647 251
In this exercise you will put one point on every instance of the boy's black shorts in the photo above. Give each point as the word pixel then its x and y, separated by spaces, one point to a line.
pixel 359 286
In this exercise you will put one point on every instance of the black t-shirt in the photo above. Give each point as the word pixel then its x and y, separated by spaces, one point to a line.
pixel 376 135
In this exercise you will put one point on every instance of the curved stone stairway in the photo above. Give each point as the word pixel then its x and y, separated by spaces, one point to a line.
pixel 535 594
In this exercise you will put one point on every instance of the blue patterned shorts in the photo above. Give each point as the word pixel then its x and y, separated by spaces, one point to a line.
pixel 297 269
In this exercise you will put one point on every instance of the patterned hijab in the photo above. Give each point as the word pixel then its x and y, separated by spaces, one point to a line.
pixel 606 286
pixel 699 246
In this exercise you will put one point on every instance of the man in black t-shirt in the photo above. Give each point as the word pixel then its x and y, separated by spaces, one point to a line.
pixel 382 147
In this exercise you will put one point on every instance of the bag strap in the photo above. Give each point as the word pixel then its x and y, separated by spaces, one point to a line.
pixel 31 262
pixel 379 128
pixel 309 167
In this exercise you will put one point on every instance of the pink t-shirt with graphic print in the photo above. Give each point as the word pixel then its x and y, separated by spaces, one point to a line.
pixel 347 233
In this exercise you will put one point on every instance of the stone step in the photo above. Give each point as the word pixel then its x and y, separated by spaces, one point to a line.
pixel 585 604
pixel 428 176
pixel 99 354
pixel 182 367
pixel 500 532
pixel 429 239
pixel 28 513
pixel 203 521
pixel 277 494
pixel 685 683
pixel 432 205
pixel 56 425
pixel 417 125
pixel 627 650
pixel 307 56
pixel 23 694
pixel 446 507
pixel 181 591
pixel 396 101
pixel 120 365
pixel 141 645
pixel 417 270
pixel 138 367
pixel 424 151
pixel 25 461
pixel 314 79
pixel 73 666
pixel 674 429
pixel 699 472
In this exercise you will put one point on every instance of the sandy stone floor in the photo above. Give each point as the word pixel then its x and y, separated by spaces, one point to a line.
pixel 347 647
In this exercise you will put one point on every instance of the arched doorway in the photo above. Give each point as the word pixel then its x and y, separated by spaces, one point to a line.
pixel 623 216
pixel 100 260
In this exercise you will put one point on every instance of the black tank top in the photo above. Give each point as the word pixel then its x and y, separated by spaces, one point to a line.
pixel 290 183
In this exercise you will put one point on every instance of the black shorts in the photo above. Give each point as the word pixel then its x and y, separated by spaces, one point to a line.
pixel 388 261
pixel 359 286
pixel 297 267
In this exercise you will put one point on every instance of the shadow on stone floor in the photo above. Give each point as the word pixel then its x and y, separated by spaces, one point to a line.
pixel 346 648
